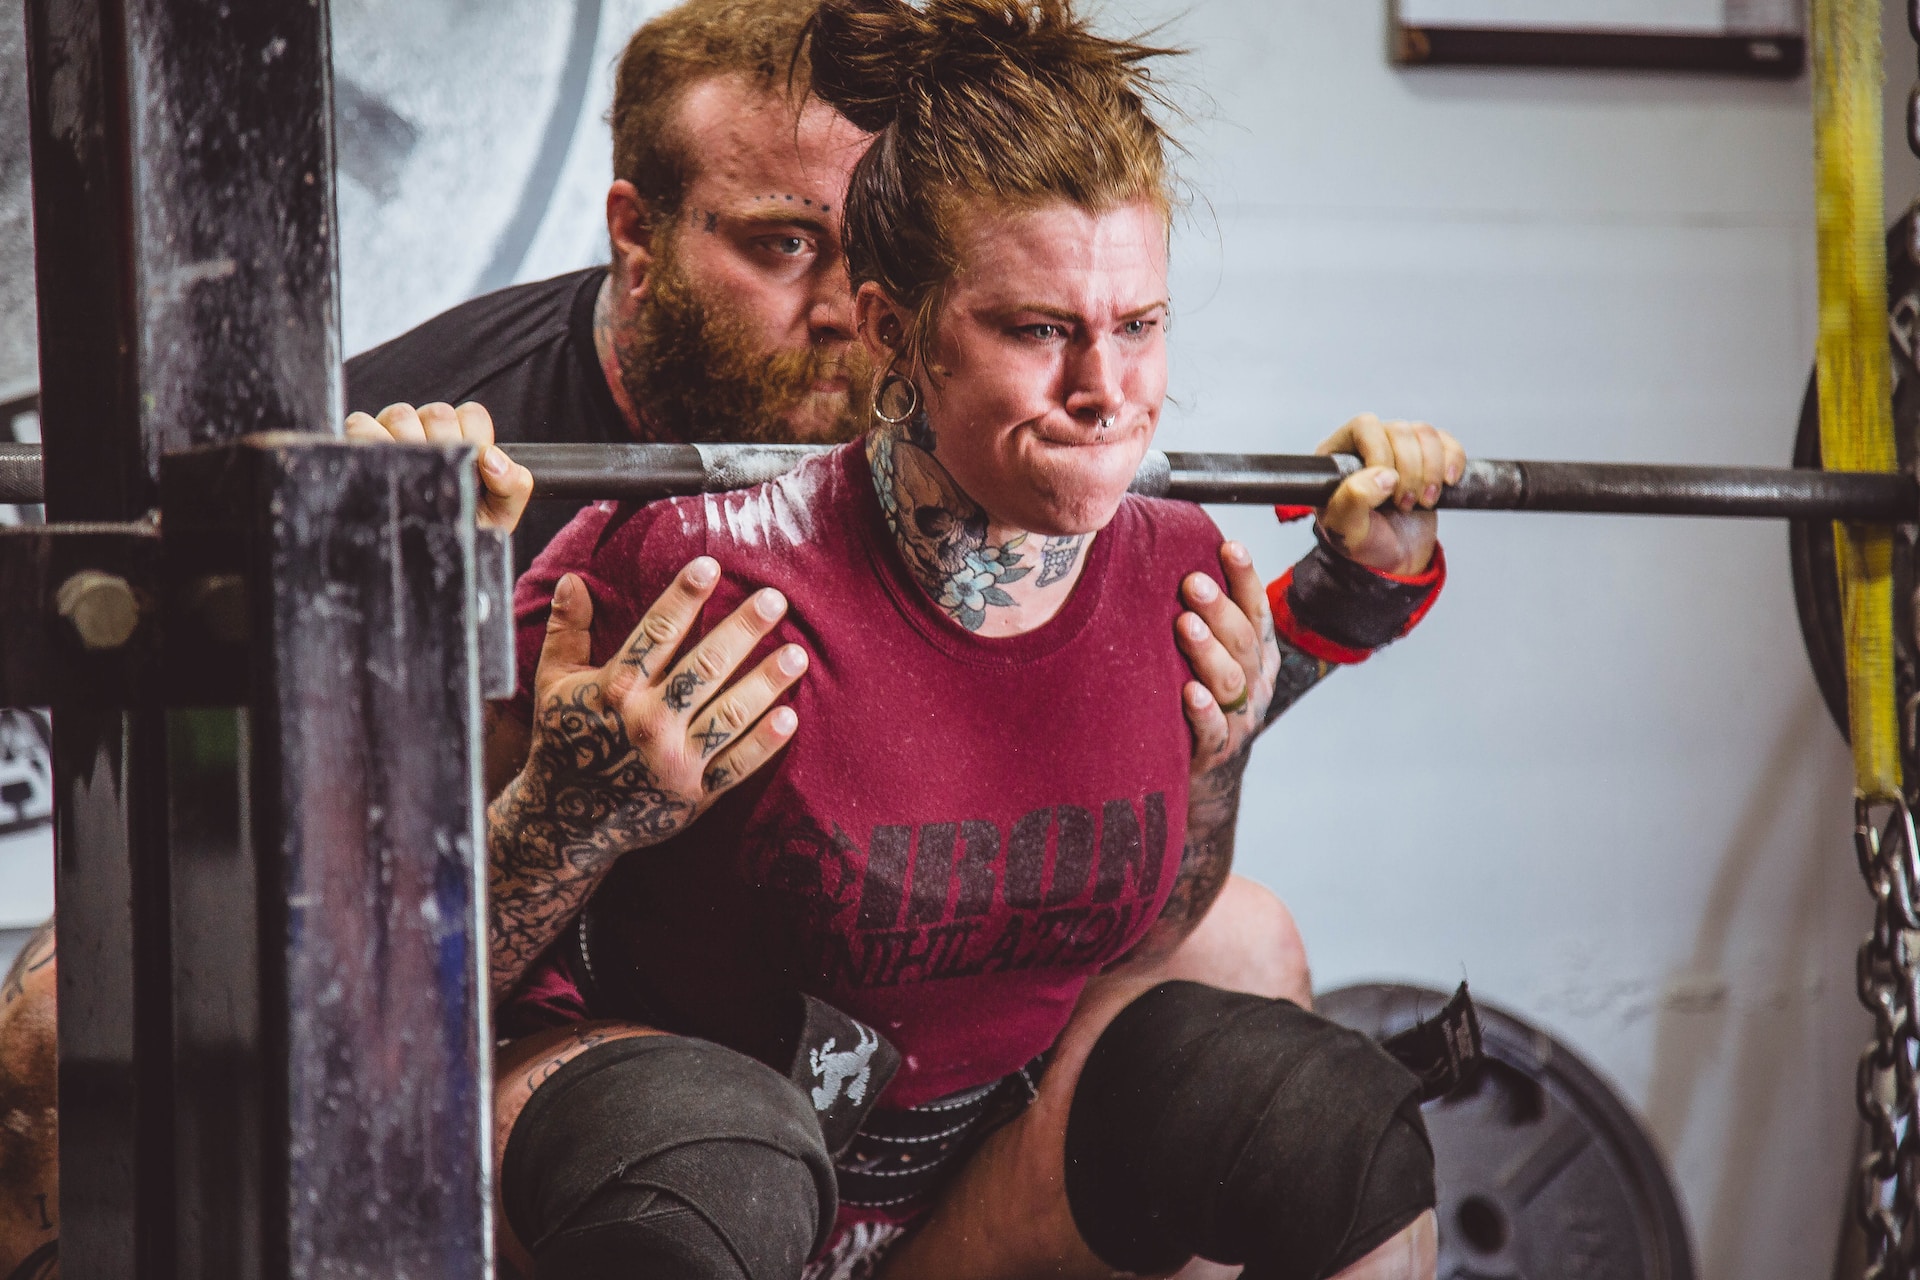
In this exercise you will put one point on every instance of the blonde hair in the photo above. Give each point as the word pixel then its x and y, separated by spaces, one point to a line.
pixel 1011 103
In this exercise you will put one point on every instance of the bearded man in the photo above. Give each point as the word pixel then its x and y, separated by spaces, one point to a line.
pixel 724 313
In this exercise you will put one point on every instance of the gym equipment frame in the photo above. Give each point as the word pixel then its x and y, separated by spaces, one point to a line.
pixel 259 645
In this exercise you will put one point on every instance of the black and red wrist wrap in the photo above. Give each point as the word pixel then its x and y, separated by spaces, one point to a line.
pixel 1339 610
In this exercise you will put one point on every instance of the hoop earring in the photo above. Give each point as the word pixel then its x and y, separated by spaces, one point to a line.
pixel 880 395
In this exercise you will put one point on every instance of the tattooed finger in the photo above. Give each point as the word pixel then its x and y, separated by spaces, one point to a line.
pixel 773 732
pixel 711 738
pixel 680 690
pixel 734 711
pixel 660 633
pixel 638 650
pixel 713 660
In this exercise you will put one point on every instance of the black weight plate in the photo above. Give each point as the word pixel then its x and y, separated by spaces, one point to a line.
pixel 1816 581
pixel 1543 1171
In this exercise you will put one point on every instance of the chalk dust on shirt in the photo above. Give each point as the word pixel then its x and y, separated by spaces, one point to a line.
pixel 963 830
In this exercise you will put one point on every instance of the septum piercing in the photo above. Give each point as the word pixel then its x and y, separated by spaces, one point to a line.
pixel 1106 424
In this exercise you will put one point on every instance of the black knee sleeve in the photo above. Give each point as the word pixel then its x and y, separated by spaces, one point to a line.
pixel 1243 1130
pixel 669 1158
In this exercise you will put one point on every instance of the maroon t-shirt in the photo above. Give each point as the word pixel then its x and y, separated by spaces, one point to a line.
pixel 963 829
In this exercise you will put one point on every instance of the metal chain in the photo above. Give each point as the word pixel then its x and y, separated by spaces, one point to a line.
pixel 1890 989
pixel 1888 1195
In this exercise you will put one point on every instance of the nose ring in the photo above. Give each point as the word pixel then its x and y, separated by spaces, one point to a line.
pixel 1106 424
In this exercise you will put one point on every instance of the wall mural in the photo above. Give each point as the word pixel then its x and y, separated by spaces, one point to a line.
pixel 26 771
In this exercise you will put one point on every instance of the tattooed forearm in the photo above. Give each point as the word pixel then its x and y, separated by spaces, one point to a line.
pixel 1213 813
pixel 557 828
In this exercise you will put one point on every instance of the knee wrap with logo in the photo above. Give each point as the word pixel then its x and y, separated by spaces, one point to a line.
pixel 1245 1131
pixel 671 1158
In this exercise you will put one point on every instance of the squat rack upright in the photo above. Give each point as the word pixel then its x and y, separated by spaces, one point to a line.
pixel 259 647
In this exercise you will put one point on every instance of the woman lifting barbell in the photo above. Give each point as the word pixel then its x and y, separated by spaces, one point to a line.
pixel 933 842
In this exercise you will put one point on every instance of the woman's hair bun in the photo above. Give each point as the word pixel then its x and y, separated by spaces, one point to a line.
pixel 873 60
pixel 862 55
pixel 978 104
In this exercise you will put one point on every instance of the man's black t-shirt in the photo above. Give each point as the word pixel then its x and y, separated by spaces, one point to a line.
pixel 527 354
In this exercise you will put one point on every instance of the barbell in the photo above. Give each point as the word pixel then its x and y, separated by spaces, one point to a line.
pixel 644 472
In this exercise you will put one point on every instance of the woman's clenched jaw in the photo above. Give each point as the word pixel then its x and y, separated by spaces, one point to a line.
pixel 1048 361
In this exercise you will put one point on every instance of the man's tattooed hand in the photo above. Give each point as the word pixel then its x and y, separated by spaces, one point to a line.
pixel 681 688
pixel 712 738
pixel 636 653
pixel 617 761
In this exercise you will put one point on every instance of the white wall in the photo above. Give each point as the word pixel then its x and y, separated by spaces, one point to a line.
pixel 1599 782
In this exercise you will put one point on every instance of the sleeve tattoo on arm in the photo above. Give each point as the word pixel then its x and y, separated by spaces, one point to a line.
pixel 1213 811
pixel 558 827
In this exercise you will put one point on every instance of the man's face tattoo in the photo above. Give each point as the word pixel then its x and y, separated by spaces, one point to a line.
pixel 691 365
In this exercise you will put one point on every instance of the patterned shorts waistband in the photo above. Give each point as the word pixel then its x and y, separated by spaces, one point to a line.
pixel 900 1157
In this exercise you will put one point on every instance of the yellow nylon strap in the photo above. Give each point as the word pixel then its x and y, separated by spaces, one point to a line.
pixel 1856 411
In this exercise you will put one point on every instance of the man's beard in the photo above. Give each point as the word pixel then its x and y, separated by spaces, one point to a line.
pixel 693 372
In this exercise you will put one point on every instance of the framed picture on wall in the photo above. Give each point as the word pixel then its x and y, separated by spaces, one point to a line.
pixel 1743 37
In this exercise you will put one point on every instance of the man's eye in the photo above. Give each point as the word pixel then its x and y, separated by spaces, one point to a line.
pixel 1043 332
pixel 1135 328
pixel 789 246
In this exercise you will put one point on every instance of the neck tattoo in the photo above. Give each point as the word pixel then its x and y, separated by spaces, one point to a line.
pixel 945 539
